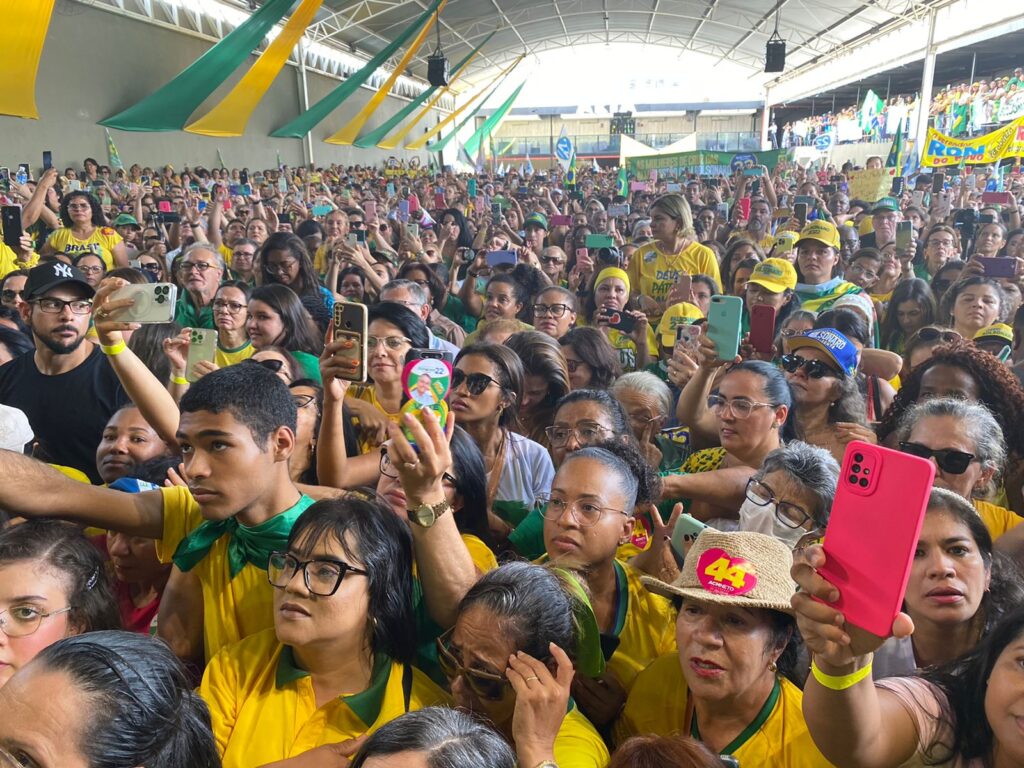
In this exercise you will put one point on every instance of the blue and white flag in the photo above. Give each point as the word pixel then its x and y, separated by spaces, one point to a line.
pixel 564 149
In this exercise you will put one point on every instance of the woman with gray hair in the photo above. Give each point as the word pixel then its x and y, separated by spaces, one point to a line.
pixel 648 403
pixel 439 737
pixel 791 494
pixel 966 444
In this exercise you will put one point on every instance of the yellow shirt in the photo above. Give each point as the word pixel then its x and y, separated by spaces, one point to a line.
pixel 102 242
pixel 653 272
pixel 578 744
pixel 368 394
pixel 9 261
pixel 320 260
pixel 225 253
pixel 997 519
pixel 627 350
pixel 645 626
pixel 777 737
pixel 226 357
pixel 263 708
pixel 233 608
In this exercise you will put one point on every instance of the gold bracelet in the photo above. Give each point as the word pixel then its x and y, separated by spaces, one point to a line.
pixel 840 682
pixel 180 380
pixel 114 349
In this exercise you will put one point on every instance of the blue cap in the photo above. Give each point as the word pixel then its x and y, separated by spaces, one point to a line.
pixel 832 343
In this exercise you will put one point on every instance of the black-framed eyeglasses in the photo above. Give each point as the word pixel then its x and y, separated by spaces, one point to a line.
pixel 586 513
pixel 585 432
pixel 151 266
pixel 195 266
pixel 10 295
pixel 389 470
pixel 486 685
pixel 323 579
pixel 551 310
pixel 356 224
pixel 301 401
pixel 231 307
pixel 52 306
pixel 741 409
pixel 815 369
pixel 790 515
pixel 949 459
pixel 551 259
pixel 476 383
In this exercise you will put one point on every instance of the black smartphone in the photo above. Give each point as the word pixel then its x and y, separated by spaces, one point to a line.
pixel 244 177
pixel 47 160
pixel 938 182
pixel 800 213
pixel 618 320
pixel 755 187
pixel 284 217
pixel 898 185
pixel 10 216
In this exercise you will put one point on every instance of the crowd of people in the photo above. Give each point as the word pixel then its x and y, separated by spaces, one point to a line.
pixel 236 530
pixel 956 110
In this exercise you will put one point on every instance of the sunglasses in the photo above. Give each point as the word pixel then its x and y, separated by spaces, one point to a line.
pixel 476 383
pixel 815 369
pixel 949 460
pixel 271 365
pixel 486 685
pixel 934 334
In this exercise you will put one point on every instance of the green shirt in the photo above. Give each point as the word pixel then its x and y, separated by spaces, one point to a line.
pixel 455 310
pixel 187 316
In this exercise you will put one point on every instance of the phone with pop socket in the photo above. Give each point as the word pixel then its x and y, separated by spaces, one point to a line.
pixel 426 381
pixel 350 323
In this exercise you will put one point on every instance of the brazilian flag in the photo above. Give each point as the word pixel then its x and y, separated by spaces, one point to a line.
pixel 623 185
pixel 570 173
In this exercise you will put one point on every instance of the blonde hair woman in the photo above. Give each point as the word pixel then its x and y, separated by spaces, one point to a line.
pixel 655 269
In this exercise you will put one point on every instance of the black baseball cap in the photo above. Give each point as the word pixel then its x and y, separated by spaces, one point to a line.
pixel 49 275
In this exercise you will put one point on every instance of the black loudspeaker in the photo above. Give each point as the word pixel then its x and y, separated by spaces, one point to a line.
pixel 775 55
pixel 437 69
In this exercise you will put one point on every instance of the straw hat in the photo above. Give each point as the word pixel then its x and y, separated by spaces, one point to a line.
pixel 733 568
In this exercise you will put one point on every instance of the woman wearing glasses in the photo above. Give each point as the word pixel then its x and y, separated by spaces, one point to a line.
pixel 230 316
pixel 53 584
pixel 791 494
pixel 509 661
pixel 745 414
pixel 92 266
pixel 588 516
pixel 152 268
pixel 921 344
pixel 960 370
pixel 85 230
pixel 337 663
pixel 284 260
pixel 821 368
pixel 487 387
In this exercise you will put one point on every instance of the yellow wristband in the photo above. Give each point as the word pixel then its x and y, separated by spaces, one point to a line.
pixel 114 349
pixel 180 380
pixel 840 682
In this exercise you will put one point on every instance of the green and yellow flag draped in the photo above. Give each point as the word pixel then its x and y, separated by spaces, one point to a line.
pixel 231 115
pixel 350 132
pixel 422 140
pixel 492 122
pixel 169 108
pixel 570 172
pixel 377 135
pixel 305 122
pixel 22 35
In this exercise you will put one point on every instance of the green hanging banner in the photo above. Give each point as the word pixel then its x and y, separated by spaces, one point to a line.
pixel 371 138
pixel 492 122
pixel 441 143
pixel 305 122
pixel 169 108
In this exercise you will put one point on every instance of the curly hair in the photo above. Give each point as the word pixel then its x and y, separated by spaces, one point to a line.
pixel 998 388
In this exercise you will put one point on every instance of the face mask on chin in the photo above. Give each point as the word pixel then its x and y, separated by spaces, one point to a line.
pixel 763 520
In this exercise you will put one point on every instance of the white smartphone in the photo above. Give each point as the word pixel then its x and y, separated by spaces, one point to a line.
pixel 154 303
pixel 202 345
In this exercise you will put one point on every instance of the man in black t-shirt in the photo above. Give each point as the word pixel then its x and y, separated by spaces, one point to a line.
pixel 65 386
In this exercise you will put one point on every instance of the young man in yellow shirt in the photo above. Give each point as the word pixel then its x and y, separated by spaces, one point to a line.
pixel 236 433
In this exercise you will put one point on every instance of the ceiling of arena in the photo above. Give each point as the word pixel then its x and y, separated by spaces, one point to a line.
pixel 734 30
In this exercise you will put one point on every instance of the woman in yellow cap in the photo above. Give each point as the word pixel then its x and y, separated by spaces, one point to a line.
pixel 657 266
pixel 817 263
pixel 337 663
pixel 627 330
pixel 772 284
pixel 733 684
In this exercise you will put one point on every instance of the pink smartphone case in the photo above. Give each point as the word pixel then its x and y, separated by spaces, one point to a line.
pixel 873 530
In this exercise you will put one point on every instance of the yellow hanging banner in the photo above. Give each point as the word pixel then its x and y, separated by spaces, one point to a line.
pixel 350 132
pixel 22 35
pixel 395 140
pixel 422 140
pixel 231 115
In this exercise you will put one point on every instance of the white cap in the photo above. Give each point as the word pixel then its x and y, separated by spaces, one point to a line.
pixel 15 430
